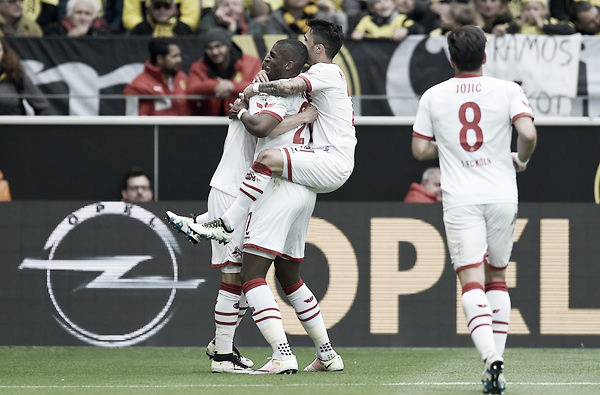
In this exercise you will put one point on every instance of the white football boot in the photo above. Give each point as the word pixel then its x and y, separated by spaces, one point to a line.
pixel 335 364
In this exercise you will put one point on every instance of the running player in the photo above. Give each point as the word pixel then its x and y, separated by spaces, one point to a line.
pixel 467 121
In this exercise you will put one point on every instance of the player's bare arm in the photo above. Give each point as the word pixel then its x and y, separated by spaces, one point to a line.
pixel 284 87
pixel 526 141
pixel 423 149
pixel 309 115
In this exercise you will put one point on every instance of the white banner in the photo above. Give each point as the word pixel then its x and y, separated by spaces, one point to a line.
pixel 546 66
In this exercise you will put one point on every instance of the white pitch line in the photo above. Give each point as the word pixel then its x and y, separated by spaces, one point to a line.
pixel 406 384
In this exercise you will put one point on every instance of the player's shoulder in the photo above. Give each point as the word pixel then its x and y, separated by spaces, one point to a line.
pixel 506 84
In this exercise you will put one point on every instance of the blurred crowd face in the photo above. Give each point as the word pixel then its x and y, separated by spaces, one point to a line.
pixel 138 190
pixel 405 6
pixel 231 8
pixel 489 8
pixel 533 11
pixel 589 21
pixel 382 8
pixel 433 185
pixel 83 14
pixel 1 56
pixel 162 11
pixel 218 52
pixel 170 64
pixel 12 10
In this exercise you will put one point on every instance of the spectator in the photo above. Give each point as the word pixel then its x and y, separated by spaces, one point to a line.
pixel 15 86
pixel 136 187
pixel 292 17
pixel 586 17
pixel 492 12
pixel 428 191
pixel 421 12
pixel 534 19
pixel 13 22
pixel 222 73
pixel 4 189
pixel 81 20
pixel 454 16
pixel 161 21
pixel 44 12
pixel 162 78
pixel 229 15
pixel 135 12
pixel 384 21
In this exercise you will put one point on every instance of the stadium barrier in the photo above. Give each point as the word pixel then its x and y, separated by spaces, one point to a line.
pixel 113 274
pixel 85 158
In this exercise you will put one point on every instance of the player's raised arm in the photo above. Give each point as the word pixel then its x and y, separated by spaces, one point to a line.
pixel 283 87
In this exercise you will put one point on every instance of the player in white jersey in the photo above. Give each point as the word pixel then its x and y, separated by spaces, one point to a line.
pixel 467 121
pixel 329 159
pixel 238 153
pixel 276 232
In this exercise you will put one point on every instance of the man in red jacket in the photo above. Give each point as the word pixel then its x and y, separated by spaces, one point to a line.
pixel 428 191
pixel 162 77
pixel 221 74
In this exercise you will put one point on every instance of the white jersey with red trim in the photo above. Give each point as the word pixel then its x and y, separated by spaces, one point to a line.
pixel 471 119
pixel 238 154
pixel 280 107
pixel 328 92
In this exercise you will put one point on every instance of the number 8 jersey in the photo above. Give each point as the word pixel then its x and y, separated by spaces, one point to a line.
pixel 470 118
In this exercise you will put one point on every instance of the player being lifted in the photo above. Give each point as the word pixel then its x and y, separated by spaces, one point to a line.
pixel 467 121
pixel 329 161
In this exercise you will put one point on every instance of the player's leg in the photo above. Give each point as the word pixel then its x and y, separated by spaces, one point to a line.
pixel 320 170
pixel 308 312
pixel 266 314
pixel 501 219
pixel 466 236
pixel 268 164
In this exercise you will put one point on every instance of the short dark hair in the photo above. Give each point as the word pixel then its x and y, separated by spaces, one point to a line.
pixel 467 47
pixel 578 7
pixel 159 46
pixel 295 51
pixel 329 34
pixel 134 172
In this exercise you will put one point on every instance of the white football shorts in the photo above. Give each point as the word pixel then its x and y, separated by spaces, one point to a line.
pixel 228 257
pixel 476 230
pixel 321 169
pixel 278 221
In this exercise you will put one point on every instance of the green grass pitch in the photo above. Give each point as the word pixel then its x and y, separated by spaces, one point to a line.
pixel 179 371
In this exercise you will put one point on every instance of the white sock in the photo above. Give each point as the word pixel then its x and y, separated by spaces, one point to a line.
pixel 497 294
pixel 226 316
pixel 253 186
pixel 309 313
pixel 243 307
pixel 479 318
pixel 267 316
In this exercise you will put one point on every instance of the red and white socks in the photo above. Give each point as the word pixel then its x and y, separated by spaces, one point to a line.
pixel 309 313
pixel 479 318
pixel 267 316
pixel 252 188
pixel 499 298
pixel 227 316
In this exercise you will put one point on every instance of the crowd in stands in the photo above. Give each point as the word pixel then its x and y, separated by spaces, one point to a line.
pixel 360 19
pixel 224 70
